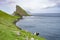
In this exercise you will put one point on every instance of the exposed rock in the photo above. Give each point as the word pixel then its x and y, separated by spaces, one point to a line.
pixel 21 11
pixel 27 38
pixel 16 20
pixel 32 38
pixel 17 33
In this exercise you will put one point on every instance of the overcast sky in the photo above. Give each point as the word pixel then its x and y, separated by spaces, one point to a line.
pixel 34 6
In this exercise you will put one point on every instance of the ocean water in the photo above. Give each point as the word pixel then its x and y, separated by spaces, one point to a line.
pixel 48 27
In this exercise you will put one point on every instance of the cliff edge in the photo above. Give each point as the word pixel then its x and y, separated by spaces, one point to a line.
pixel 9 31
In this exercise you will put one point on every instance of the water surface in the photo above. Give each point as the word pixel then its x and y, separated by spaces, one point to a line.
pixel 48 27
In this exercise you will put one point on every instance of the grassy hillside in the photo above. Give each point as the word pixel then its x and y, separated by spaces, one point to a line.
pixel 9 31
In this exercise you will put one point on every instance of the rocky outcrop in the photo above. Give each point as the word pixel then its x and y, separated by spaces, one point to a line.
pixel 20 11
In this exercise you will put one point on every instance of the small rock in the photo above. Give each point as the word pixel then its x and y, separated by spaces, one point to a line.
pixel 17 32
pixel 27 38
pixel 32 38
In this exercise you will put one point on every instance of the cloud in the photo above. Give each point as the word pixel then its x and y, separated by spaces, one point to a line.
pixel 6 2
pixel 31 5
pixel 57 2
pixel 37 4
pixel 42 5
pixel 2 0
pixel 8 5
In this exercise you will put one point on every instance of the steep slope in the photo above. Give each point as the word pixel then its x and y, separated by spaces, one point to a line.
pixel 9 31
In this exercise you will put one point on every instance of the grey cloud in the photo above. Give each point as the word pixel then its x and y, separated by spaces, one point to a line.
pixel 57 2
pixel 5 2
pixel 2 0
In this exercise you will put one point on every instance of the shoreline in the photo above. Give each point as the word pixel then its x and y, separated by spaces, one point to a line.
pixel 9 31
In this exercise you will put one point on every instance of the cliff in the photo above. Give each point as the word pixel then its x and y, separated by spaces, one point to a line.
pixel 9 31
pixel 20 11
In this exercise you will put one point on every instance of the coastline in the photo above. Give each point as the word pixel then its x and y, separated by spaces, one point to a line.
pixel 9 31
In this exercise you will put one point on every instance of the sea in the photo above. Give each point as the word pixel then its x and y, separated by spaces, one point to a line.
pixel 47 26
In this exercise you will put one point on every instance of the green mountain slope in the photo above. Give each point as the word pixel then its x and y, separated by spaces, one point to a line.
pixel 9 31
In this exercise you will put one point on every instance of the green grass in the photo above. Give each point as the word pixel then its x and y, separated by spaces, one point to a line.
pixel 8 29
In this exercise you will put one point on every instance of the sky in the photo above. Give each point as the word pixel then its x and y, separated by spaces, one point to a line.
pixel 33 6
